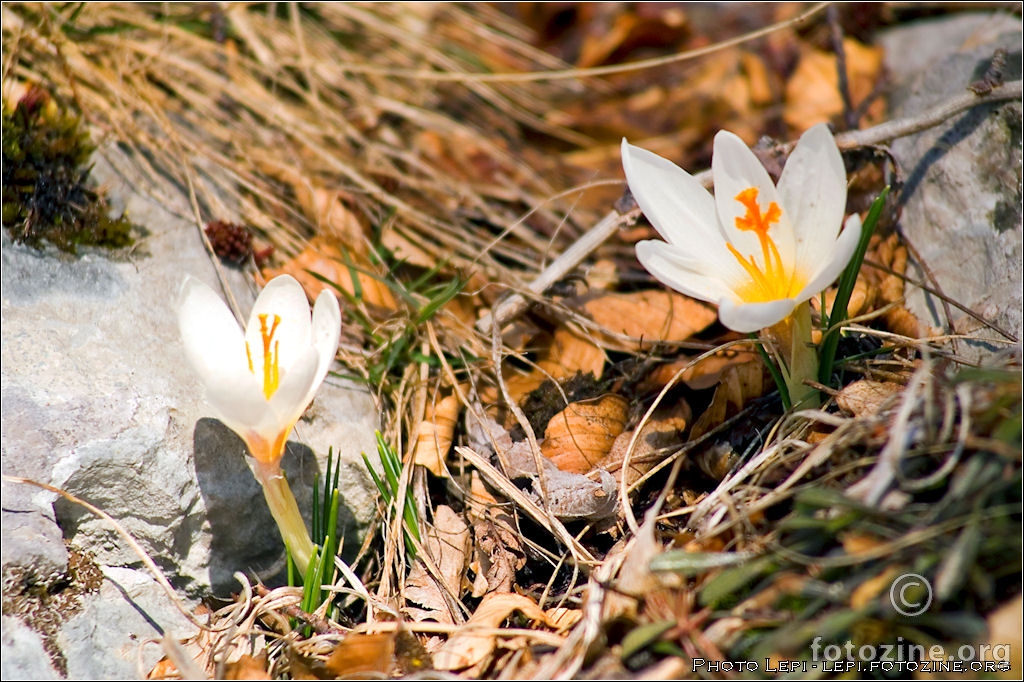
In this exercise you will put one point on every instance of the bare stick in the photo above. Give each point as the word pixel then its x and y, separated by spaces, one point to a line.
pixel 902 127
pixel 513 306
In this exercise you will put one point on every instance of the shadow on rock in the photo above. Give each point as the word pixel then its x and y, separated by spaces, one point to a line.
pixel 244 536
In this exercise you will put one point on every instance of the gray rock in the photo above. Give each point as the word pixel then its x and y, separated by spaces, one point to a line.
pixel 99 400
pixel 116 634
pixel 23 655
pixel 962 192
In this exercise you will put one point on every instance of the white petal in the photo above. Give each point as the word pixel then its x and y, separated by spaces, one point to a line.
pixel 295 392
pixel 832 265
pixel 735 169
pixel 678 269
pixel 283 296
pixel 751 317
pixel 674 202
pixel 813 190
pixel 326 332
pixel 240 404
pixel 212 338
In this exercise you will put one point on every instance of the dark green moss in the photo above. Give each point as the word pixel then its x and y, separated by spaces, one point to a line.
pixel 45 176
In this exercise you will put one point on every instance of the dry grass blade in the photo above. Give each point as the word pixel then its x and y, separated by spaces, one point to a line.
pixel 153 81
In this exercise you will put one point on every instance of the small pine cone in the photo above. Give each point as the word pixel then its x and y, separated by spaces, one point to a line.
pixel 231 242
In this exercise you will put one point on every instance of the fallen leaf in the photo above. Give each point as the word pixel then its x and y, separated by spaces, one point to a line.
pixel 646 317
pixel 434 435
pixel 812 92
pixel 868 591
pixel 1005 638
pixel 468 647
pixel 569 352
pixel 866 397
pixel 783 584
pixel 615 37
pixel 498 551
pixel 247 667
pixel 858 543
pixel 362 653
pixel 163 670
pixel 562 618
pixel 446 542
pixel 739 384
pixel 663 431
pixel 324 258
pixel 582 434
pixel 635 579
pixel 892 253
pixel 697 375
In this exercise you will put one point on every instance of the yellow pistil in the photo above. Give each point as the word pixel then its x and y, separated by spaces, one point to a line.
pixel 772 282
pixel 271 372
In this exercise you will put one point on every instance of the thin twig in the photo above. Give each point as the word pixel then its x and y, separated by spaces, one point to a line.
pixel 901 127
pixel 843 79
pixel 513 306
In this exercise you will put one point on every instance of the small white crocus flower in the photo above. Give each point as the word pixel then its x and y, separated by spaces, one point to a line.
pixel 755 249
pixel 260 380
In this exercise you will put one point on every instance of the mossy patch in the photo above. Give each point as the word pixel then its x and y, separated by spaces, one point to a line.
pixel 45 605
pixel 46 197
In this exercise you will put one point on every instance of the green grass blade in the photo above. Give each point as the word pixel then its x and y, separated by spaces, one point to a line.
pixel 846 283
pixel 441 298
pixel 780 381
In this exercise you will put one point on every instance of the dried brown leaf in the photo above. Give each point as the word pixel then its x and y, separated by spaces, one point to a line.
pixel 812 92
pixel 628 31
pixel 324 258
pixel 866 396
pixel 434 435
pixel 664 430
pixel 582 434
pixel 468 647
pixel 498 551
pixel 562 618
pixel 739 384
pixel 646 316
pixel 1005 631
pixel 447 543
pixel 247 667
pixel 568 353
pixel 363 653
pixel 867 591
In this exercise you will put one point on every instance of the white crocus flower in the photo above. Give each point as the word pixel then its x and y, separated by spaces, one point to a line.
pixel 260 381
pixel 755 249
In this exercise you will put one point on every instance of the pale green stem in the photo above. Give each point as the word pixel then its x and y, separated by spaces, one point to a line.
pixel 286 513
pixel 792 338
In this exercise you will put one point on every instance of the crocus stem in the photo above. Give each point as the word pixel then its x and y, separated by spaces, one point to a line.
pixel 792 337
pixel 285 511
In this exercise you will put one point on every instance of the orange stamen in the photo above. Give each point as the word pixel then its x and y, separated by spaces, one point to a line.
pixel 271 372
pixel 754 219
pixel 771 282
